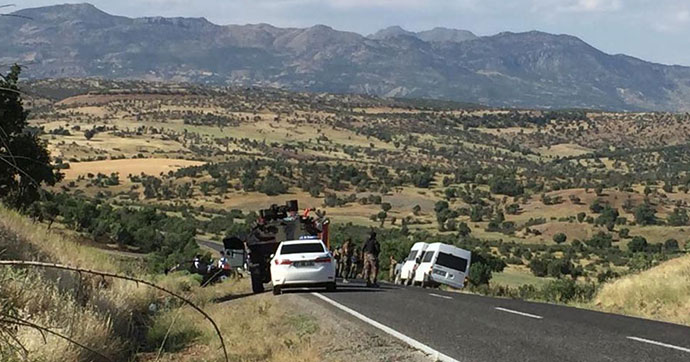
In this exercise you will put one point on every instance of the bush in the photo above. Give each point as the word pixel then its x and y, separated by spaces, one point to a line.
pixel 671 245
pixel 581 216
pixel 624 233
pixel 557 268
pixel 480 274
pixel 601 240
pixel 607 275
pixel 272 186
pixel 463 229
pixel 645 215
pixel 560 238
pixel 538 266
pixel 567 290
pixel 506 186
pixel 679 217
pixel 637 244
pixel 514 260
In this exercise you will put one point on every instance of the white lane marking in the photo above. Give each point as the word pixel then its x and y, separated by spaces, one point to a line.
pixel 660 344
pixel 519 313
pixel 436 355
pixel 440 296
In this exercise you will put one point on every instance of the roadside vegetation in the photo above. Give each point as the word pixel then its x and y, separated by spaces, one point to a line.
pixel 661 293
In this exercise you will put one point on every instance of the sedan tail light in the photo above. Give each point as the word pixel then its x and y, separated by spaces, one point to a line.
pixel 325 259
pixel 283 262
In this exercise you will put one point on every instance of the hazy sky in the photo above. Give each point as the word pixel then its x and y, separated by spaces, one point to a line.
pixel 655 30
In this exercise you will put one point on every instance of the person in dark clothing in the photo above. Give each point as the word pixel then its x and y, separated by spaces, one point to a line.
pixel 371 250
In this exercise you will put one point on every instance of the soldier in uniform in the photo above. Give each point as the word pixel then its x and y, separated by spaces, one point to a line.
pixel 371 252
pixel 354 263
pixel 391 271
pixel 346 259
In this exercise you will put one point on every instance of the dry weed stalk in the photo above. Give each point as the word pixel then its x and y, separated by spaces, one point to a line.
pixel 123 277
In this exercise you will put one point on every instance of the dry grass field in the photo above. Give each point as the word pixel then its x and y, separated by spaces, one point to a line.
pixel 149 166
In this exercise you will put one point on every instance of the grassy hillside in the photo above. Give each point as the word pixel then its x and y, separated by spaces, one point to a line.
pixel 102 314
pixel 662 293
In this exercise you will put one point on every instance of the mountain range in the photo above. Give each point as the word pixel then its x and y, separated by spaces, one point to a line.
pixel 530 69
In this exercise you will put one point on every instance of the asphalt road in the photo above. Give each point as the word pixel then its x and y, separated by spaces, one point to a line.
pixel 476 328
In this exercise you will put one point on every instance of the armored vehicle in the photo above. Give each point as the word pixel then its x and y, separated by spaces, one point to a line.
pixel 275 225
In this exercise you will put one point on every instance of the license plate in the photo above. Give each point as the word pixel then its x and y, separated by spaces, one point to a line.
pixel 300 264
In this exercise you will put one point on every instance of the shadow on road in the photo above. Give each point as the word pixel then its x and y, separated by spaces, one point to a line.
pixel 340 289
pixel 230 297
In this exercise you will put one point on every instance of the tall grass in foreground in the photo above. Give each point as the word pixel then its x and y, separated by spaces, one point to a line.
pixel 662 292
pixel 255 328
pixel 103 314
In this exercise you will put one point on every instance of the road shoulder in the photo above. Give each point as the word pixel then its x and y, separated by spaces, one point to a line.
pixel 345 338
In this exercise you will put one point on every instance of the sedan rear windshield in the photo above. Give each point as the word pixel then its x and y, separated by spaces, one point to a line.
pixel 302 248
pixel 451 262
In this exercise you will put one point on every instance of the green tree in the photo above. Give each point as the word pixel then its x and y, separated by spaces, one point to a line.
pixel 476 214
pixel 538 267
pixel 624 233
pixel 668 188
pixel 248 179
pixel 386 206
pixel 382 217
pixel 597 206
pixel 671 245
pixel 560 238
pixel 24 160
pixel 679 217
pixel 271 186
pixel 645 214
pixel 463 229
pixel 506 186
pixel 637 244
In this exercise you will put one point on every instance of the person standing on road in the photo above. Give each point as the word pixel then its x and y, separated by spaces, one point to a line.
pixel 336 256
pixel 346 259
pixel 371 251
pixel 391 272
pixel 354 262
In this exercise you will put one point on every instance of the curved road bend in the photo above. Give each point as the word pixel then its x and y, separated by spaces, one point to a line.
pixel 470 327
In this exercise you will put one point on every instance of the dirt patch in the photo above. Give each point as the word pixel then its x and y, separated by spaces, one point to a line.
pixel 149 166
pixel 342 338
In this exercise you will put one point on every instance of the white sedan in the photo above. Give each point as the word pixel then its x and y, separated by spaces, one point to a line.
pixel 302 263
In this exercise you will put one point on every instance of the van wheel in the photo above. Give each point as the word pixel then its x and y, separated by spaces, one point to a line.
pixel 331 287
pixel 277 290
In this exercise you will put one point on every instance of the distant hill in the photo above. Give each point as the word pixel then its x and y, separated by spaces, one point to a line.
pixel 531 69
pixel 434 35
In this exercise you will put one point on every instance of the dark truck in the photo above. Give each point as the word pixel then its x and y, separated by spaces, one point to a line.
pixel 275 225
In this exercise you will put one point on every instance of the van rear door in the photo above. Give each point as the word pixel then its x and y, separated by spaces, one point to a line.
pixel 450 269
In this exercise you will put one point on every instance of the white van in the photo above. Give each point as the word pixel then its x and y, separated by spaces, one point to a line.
pixel 407 270
pixel 443 264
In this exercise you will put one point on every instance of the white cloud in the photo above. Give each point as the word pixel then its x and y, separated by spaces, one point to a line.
pixel 550 7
